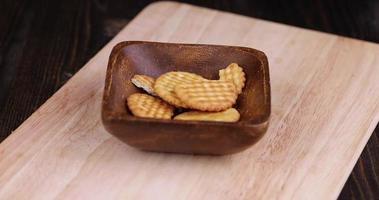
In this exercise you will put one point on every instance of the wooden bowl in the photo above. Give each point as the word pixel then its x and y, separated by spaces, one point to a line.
pixel 195 137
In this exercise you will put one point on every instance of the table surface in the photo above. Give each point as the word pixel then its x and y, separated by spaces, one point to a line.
pixel 44 43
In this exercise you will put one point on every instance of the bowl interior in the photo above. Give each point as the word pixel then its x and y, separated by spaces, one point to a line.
pixel 154 59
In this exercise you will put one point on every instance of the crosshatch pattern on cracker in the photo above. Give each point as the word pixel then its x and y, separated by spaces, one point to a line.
pixel 209 95
pixel 144 105
pixel 234 73
pixel 165 84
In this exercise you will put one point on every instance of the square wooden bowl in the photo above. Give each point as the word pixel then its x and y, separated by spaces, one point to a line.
pixel 197 137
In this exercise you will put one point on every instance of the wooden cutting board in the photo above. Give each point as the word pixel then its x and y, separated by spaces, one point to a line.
pixel 325 105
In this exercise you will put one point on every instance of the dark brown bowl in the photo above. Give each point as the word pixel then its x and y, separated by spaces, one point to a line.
pixel 198 137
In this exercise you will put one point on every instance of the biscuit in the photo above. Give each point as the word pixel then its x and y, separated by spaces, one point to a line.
pixel 144 82
pixel 209 95
pixel 144 105
pixel 229 115
pixel 165 84
pixel 234 73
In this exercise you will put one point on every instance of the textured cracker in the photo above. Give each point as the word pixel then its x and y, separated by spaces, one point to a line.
pixel 209 95
pixel 165 84
pixel 229 115
pixel 234 73
pixel 144 82
pixel 144 105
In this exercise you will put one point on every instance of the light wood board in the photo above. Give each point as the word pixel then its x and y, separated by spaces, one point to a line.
pixel 325 105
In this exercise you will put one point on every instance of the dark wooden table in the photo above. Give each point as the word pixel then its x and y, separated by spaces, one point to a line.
pixel 43 43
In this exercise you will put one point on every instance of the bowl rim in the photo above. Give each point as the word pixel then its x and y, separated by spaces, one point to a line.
pixel 110 117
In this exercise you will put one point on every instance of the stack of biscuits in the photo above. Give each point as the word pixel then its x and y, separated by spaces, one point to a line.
pixel 203 99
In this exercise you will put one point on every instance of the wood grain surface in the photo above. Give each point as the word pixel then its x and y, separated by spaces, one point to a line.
pixel 37 55
pixel 324 110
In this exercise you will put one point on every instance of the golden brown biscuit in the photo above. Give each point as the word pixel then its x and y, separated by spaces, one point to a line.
pixel 234 73
pixel 144 105
pixel 209 95
pixel 144 82
pixel 229 115
pixel 165 84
